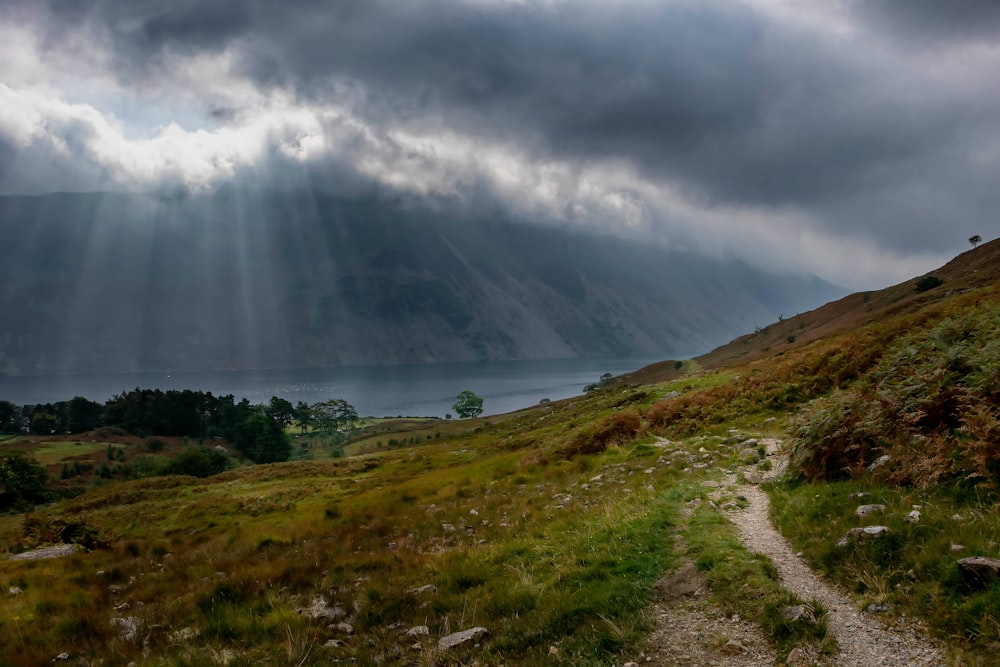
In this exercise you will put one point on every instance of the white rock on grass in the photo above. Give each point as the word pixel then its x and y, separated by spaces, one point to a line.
pixel 456 639
pixel 866 533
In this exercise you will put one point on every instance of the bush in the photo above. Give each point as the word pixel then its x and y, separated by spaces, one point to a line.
pixel 928 283
pixel 198 462
pixel 23 482
pixel 611 431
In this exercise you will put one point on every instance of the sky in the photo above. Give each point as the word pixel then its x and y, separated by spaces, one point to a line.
pixel 855 139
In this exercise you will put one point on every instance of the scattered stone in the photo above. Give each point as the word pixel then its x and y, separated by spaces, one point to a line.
pixel 129 627
pixel 712 484
pixel 320 609
pixel 879 462
pixel 858 494
pixel 473 512
pixel 797 658
pixel 865 510
pixel 58 551
pixel 878 608
pixel 418 631
pixel 749 455
pixel 554 651
pixel 798 612
pixel 913 516
pixel 734 647
pixel 749 442
pixel 182 635
pixel 631 664
pixel 420 590
pixel 448 527
pixel 334 643
pixel 62 656
pixel 752 477
pixel 346 628
pixel 596 478
pixel 955 548
pixel 980 569
pixel 858 534
pixel 770 420
pixel 14 590
pixel 463 637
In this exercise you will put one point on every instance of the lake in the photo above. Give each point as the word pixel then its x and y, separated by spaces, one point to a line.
pixel 417 390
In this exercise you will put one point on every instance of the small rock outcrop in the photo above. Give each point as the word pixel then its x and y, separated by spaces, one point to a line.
pixel 860 534
pixel 798 612
pixel 866 510
pixel 456 639
pixel 980 570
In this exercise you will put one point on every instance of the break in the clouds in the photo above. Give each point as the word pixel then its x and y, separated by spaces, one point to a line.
pixel 859 140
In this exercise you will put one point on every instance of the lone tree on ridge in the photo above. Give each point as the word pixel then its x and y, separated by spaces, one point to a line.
pixel 467 405
pixel 975 240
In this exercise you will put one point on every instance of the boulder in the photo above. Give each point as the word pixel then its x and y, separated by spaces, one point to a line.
pixel 418 631
pixel 860 534
pixel 456 639
pixel 878 463
pixel 913 516
pixel 980 570
pixel 798 612
pixel 865 510
pixel 749 455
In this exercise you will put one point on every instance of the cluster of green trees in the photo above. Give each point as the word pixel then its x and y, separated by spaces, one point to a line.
pixel 256 430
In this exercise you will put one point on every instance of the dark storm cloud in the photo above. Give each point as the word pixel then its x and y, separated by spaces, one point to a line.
pixel 734 105
pixel 933 21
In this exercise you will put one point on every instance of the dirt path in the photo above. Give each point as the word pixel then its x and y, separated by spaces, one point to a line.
pixel 691 631
pixel 863 641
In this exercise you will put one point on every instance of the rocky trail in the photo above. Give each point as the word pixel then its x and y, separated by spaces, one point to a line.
pixel 690 630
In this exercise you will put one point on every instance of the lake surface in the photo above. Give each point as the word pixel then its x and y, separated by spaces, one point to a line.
pixel 419 390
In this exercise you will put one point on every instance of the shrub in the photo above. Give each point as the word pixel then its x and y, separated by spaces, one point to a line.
pixel 928 283
pixel 613 430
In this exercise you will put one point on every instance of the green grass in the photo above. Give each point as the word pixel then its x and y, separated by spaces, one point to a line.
pixel 914 568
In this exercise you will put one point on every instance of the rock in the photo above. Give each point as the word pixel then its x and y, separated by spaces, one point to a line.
pixel 418 631
pixel 859 534
pixel 858 494
pixel 752 477
pixel 878 463
pixel 749 455
pixel 346 628
pixel 319 609
pixel 798 612
pixel 913 516
pixel 770 420
pixel 797 658
pixel 980 570
pixel 58 551
pixel 473 512
pixel 463 637
pixel 333 643
pixel 62 656
pixel 734 647
pixel 878 608
pixel 14 590
pixel 554 651
pixel 420 590
pixel 955 548
pixel 865 510
pixel 631 664
pixel 448 527
pixel 129 626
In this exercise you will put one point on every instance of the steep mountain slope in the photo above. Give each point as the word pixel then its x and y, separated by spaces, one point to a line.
pixel 251 280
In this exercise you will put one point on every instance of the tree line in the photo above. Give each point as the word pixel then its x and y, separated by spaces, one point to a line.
pixel 256 430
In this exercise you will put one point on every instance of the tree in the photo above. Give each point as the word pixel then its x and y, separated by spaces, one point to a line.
pixel 975 240
pixel 261 439
pixel 23 481
pixel 11 420
pixel 334 414
pixel 928 282
pixel 281 411
pixel 303 415
pixel 467 405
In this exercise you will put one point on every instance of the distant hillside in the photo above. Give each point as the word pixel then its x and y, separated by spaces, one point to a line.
pixel 971 271
pixel 107 282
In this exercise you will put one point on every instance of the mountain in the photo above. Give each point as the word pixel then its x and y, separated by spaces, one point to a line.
pixel 236 279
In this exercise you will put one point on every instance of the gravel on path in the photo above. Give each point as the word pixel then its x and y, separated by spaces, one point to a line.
pixel 863 641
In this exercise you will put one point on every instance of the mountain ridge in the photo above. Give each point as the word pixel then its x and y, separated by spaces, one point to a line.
pixel 118 282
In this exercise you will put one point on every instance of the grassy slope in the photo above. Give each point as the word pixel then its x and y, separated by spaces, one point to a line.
pixel 549 526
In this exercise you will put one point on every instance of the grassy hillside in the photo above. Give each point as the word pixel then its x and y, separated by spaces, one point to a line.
pixel 550 526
